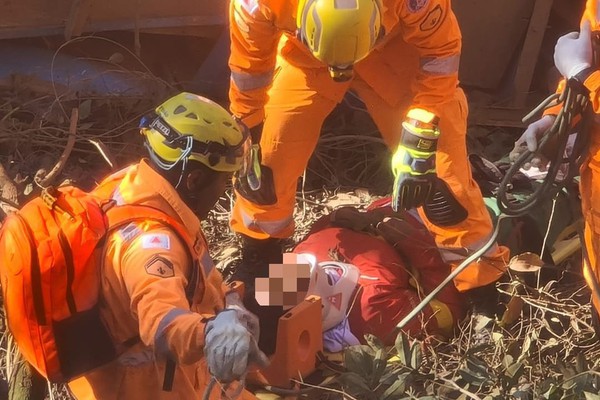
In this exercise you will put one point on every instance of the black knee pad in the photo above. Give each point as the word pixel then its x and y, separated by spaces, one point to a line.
pixel 265 196
pixel 442 208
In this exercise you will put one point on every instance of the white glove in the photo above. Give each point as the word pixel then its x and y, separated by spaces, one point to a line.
pixel 573 51
pixel 532 134
pixel 230 348
pixel 233 301
pixel 529 141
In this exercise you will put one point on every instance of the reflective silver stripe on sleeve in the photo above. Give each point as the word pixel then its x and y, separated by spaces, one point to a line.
pixel 160 339
pixel 441 65
pixel 245 81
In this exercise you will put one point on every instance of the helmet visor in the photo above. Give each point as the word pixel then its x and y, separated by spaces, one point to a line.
pixel 224 153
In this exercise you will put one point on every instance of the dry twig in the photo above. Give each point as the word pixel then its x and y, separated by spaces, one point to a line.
pixel 60 164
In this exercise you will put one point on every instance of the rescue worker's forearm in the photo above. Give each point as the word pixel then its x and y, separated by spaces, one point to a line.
pixel 588 15
pixel 254 39
pixel 166 323
pixel 248 105
pixel 427 98
pixel 178 332
pixel 180 335
pixel 433 30
pixel 155 269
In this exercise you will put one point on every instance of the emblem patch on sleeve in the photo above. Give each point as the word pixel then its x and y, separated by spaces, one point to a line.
pixel 160 266
pixel 156 241
pixel 433 19
pixel 416 5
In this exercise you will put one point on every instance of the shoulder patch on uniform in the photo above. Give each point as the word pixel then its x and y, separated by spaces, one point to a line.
pixel 416 5
pixel 156 241
pixel 160 266
pixel 433 19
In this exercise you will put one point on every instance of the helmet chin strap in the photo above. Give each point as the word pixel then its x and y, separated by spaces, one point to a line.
pixel 183 166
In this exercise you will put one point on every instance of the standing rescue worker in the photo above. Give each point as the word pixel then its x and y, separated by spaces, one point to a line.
pixel 574 59
pixel 160 289
pixel 292 61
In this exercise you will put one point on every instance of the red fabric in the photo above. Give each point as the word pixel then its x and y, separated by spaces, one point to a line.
pixel 386 296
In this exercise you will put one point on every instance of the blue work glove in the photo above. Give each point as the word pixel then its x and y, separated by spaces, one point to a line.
pixel 413 163
pixel 230 348
pixel 233 301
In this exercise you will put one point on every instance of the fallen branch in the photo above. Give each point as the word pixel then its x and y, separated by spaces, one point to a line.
pixel 8 190
pixel 9 202
pixel 54 172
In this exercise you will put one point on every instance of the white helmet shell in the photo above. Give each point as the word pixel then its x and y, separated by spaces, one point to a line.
pixel 336 295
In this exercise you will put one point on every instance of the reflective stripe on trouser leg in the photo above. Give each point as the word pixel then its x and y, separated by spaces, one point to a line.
pixel 298 104
pixel 245 220
pixel 487 269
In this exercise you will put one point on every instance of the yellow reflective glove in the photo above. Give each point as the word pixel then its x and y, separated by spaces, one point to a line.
pixel 250 174
pixel 413 163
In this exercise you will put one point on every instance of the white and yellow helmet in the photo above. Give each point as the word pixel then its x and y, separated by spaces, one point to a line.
pixel 336 295
pixel 339 32
pixel 190 127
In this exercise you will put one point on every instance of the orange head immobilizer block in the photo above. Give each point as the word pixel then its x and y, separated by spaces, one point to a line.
pixel 299 339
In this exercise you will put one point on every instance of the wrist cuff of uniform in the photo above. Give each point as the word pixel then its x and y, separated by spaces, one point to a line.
pixel 212 318
pixel 579 78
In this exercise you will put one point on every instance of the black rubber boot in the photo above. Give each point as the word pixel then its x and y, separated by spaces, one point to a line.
pixel 256 257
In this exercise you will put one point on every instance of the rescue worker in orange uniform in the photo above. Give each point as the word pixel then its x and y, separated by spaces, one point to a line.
pixel 160 290
pixel 292 61
pixel 574 59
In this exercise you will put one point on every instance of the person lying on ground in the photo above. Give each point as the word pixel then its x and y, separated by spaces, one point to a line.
pixel 377 270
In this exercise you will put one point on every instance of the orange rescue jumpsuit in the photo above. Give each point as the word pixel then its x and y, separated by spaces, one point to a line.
pixel 275 78
pixel 144 278
pixel 590 173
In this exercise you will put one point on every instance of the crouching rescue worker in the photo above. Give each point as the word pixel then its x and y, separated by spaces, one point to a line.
pixel 292 61
pixel 371 271
pixel 162 298
pixel 575 59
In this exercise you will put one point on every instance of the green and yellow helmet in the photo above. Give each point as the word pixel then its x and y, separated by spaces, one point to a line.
pixel 190 127
pixel 339 32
